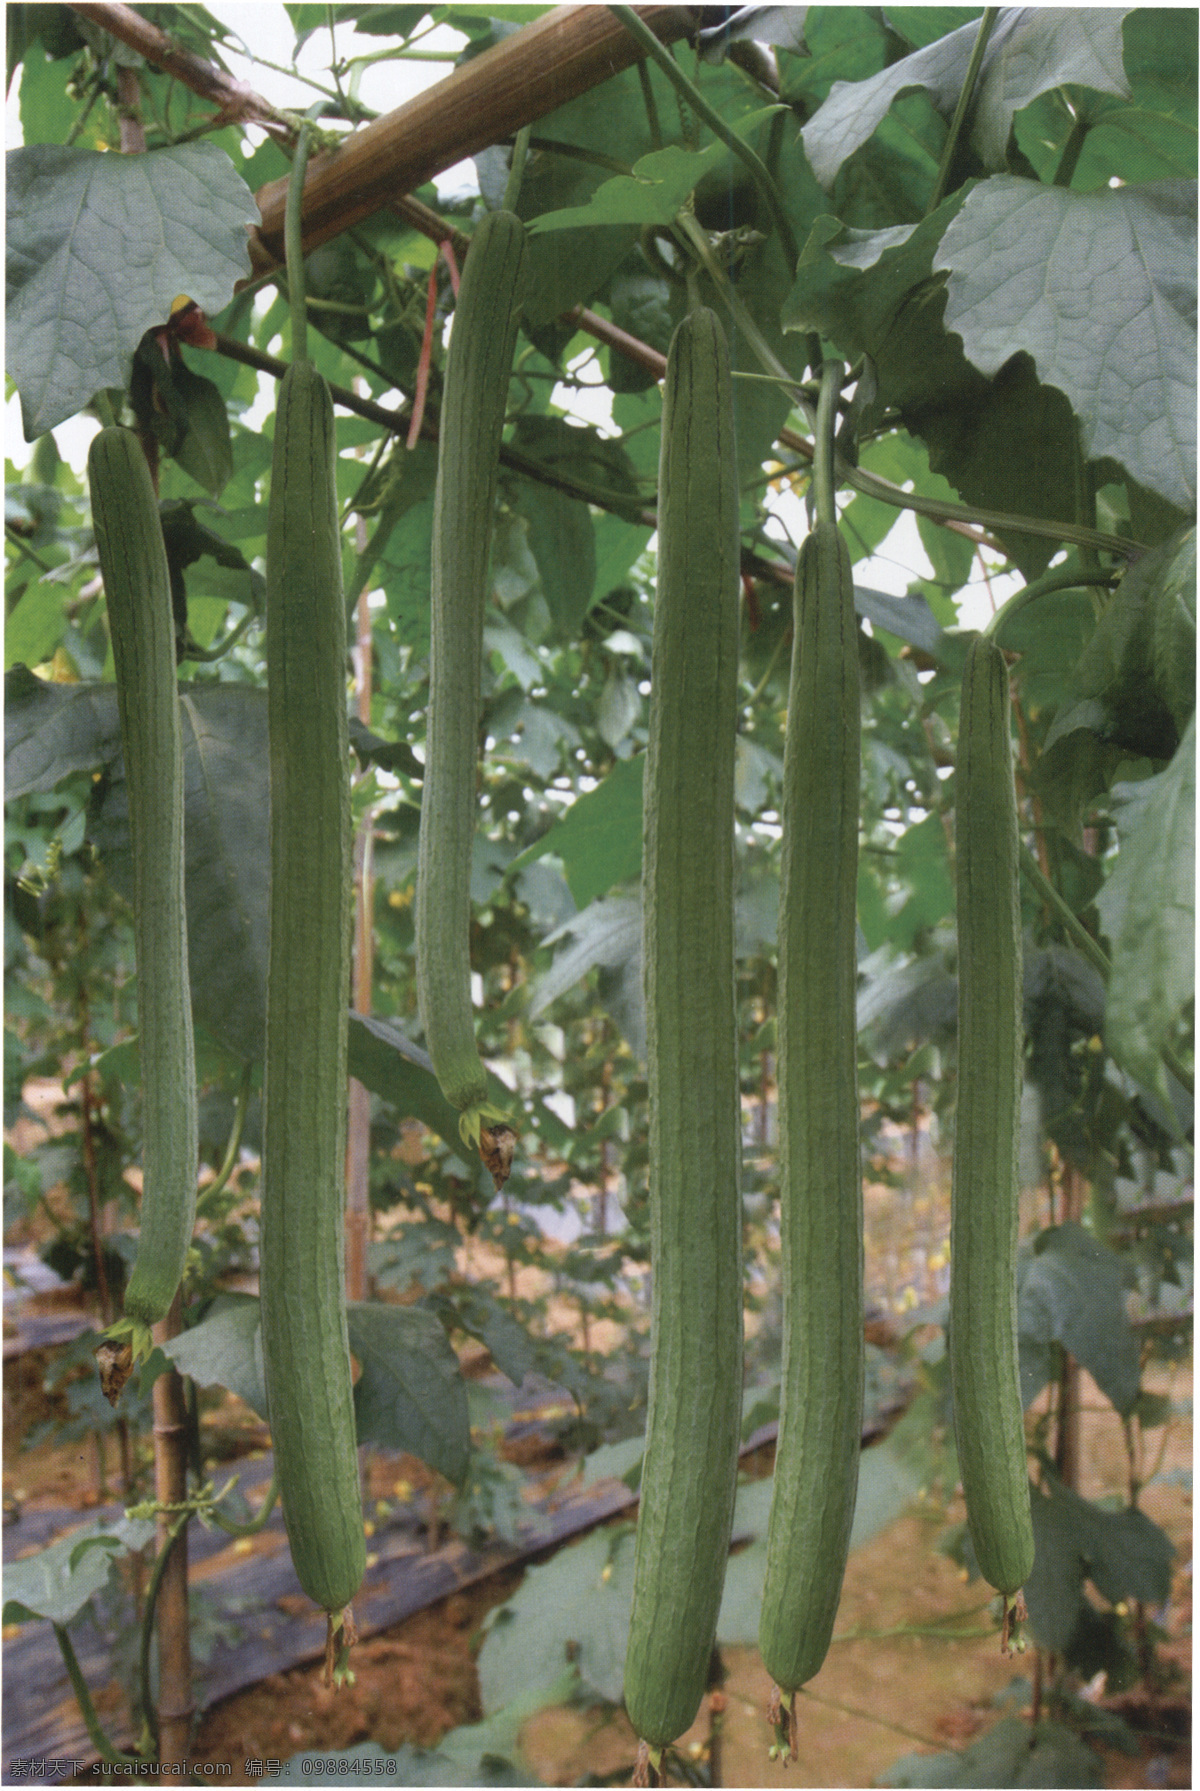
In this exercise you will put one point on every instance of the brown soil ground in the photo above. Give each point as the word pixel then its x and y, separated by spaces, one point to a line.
pixel 878 1697
pixel 887 1692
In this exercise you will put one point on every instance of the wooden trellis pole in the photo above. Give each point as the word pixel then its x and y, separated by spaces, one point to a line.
pixel 552 60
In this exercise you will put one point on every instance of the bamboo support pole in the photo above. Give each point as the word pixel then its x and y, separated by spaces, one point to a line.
pixel 552 60
pixel 175 1704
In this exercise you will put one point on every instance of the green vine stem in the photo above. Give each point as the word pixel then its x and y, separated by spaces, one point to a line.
pixel 621 504
pixel 1094 953
pixel 209 655
pixel 866 1716
pixel 648 100
pixel 927 1631
pixel 79 1685
pixel 204 1503
pixel 871 485
pixel 1064 174
pixel 14 540
pixel 1062 578
pixel 824 480
pixel 986 26
pixel 698 242
pixel 293 241
pixel 232 1149
pixel 253 1525
pixel 716 124
pixel 512 186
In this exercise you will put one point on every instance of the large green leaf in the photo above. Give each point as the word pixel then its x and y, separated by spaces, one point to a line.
pixel 606 935
pixel 1071 1292
pixel 35 627
pixel 893 174
pixel 226 819
pixel 1028 53
pixel 48 110
pixel 1010 1755
pixel 850 283
pixel 618 546
pixel 780 26
pixel 1135 146
pixel 845 44
pixel 411 1395
pixel 405 570
pixel 387 1063
pixel 609 122
pixel 1121 142
pixel 204 450
pixel 399 1072
pixel 1123 1553
pixel 1148 910
pixel 646 305
pixel 874 292
pixel 1173 646
pixel 577 1602
pixel 57 1582
pixel 98 248
pixel 1050 636
pixel 1100 290
pixel 921 25
pixel 652 194
pixel 1139 666
pixel 599 839
pixel 561 534
pixel 477 1311
pixel 563 542
pixel 905 1004
pixel 1161 56
pixel 923 865
pixel 225 1350
pixel 51 730
pixel 54 729
pixel 1044 50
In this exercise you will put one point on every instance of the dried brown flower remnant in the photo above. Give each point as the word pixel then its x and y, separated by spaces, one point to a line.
pixel 496 1146
pixel 115 1364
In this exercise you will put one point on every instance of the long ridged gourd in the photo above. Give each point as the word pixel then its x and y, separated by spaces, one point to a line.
pixel 690 1468
pixel 137 586
pixel 305 1345
pixel 988 1421
pixel 478 364
pixel 821 1393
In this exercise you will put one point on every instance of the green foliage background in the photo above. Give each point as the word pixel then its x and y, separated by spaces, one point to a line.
pixel 1018 303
